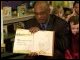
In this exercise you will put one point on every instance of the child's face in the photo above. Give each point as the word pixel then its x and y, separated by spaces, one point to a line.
pixel 74 28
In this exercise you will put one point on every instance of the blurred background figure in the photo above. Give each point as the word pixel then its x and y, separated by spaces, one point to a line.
pixel 51 7
pixel 58 11
pixel 75 10
pixel 67 12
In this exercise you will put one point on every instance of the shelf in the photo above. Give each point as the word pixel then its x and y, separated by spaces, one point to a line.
pixel 11 55
pixel 9 20
pixel 16 19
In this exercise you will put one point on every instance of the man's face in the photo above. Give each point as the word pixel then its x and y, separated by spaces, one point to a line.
pixel 41 14
pixel 75 29
pixel 76 7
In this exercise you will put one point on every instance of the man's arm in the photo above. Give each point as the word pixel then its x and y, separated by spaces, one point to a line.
pixel 61 37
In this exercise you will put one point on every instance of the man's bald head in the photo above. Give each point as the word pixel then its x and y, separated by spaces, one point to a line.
pixel 41 10
pixel 41 4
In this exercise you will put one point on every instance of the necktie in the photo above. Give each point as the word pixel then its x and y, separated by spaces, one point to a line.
pixel 43 27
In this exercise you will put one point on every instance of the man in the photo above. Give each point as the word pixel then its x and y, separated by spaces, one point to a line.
pixel 51 23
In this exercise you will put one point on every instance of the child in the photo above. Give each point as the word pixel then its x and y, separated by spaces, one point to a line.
pixel 73 51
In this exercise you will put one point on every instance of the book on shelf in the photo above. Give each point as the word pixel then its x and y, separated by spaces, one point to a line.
pixel 5 31
pixel 7 11
pixel 21 10
pixel 18 25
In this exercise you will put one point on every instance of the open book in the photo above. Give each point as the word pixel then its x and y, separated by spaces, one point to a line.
pixel 41 42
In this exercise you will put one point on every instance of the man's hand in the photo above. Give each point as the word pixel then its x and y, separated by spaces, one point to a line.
pixel 74 13
pixel 34 29
pixel 33 54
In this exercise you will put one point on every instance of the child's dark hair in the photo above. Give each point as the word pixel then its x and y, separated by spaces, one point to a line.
pixel 74 19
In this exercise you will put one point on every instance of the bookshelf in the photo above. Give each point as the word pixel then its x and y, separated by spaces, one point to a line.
pixel 8 20
pixel 12 21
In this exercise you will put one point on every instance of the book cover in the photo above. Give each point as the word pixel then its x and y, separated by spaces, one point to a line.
pixel 7 11
pixel 21 10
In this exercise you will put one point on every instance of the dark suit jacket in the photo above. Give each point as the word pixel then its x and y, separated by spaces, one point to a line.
pixel 55 24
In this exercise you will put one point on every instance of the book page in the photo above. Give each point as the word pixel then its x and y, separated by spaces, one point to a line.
pixel 23 41
pixel 44 42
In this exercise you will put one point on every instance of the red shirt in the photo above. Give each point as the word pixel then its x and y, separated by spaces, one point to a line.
pixel 73 52
pixel 75 46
